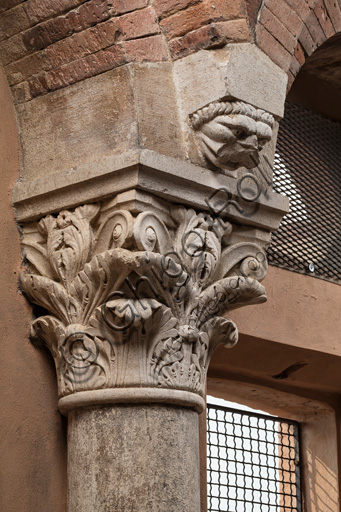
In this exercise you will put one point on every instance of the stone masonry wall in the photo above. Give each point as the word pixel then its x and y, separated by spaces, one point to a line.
pixel 49 44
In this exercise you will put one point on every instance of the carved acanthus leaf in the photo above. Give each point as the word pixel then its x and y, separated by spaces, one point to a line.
pixel 133 302
pixel 247 258
pixel 220 331
pixel 34 251
pixel 99 278
pixel 49 330
pixel 69 240
pixel 228 294
pixel 52 296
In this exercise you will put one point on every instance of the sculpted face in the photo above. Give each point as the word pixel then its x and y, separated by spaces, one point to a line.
pixel 231 135
pixel 234 141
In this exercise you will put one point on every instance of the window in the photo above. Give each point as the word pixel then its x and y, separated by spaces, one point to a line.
pixel 252 461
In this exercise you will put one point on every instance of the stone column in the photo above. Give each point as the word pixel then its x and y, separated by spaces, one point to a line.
pixel 136 308
pixel 135 272
pixel 133 457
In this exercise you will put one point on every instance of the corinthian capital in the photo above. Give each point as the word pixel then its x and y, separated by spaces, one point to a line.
pixel 135 304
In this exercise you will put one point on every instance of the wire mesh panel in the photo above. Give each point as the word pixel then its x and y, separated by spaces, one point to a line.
pixel 307 170
pixel 252 462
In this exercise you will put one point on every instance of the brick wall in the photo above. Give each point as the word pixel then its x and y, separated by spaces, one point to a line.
pixel 48 44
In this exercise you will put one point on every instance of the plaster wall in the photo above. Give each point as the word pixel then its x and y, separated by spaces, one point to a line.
pixel 32 441
pixel 287 362
pixel 291 342
pixel 301 311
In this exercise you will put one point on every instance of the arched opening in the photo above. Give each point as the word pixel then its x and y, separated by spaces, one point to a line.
pixel 317 86
pixel 307 169
pixel 281 334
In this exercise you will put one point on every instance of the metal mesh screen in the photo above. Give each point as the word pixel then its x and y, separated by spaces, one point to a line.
pixel 307 170
pixel 252 462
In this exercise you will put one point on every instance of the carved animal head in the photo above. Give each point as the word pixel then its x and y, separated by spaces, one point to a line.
pixel 231 134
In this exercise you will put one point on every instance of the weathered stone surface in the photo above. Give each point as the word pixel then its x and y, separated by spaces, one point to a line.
pixel 156 108
pixel 133 458
pixel 240 70
pixel 134 302
pixel 141 105
pixel 64 129
pixel 231 134
pixel 137 178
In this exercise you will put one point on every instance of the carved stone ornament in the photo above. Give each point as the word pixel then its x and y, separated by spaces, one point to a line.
pixel 231 134
pixel 133 303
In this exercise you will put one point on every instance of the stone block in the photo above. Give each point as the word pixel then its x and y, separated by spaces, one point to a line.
pixel 141 105
pixel 241 71
pixel 64 128
pixel 156 109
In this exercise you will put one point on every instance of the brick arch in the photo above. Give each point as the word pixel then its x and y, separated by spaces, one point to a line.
pixel 289 31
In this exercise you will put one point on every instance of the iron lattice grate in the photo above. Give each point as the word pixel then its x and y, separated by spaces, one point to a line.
pixel 252 462
pixel 307 170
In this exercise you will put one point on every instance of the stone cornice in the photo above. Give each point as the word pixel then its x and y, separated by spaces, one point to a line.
pixel 133 176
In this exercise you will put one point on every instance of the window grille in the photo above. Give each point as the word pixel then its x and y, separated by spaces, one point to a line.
pixel 252 462
pixel 307 170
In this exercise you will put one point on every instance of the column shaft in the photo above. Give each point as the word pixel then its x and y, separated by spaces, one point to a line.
pixel 133 458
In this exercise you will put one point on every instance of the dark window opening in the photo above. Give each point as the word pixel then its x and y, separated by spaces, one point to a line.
pixel 307 170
